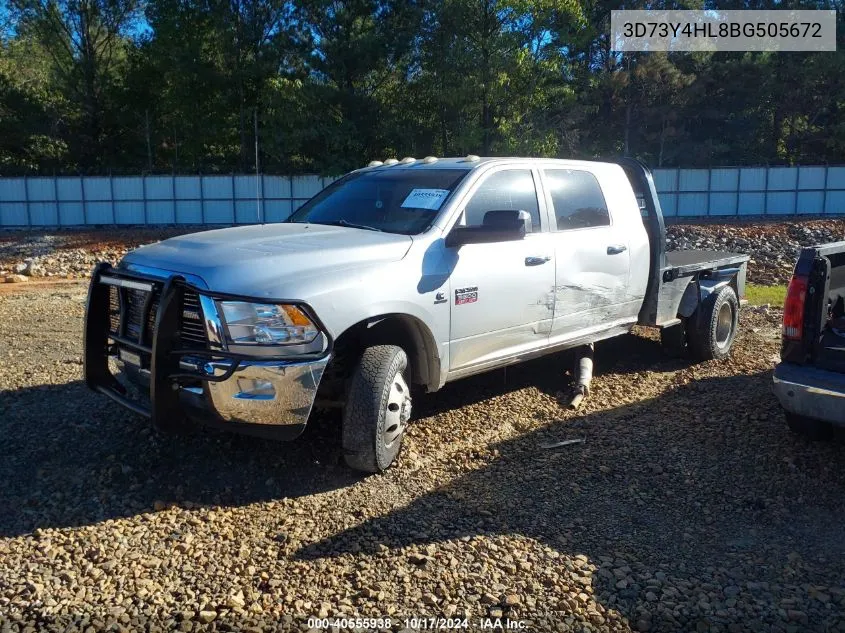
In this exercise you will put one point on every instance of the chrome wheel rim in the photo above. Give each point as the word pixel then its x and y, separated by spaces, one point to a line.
pixel 724 324
pixel 398 411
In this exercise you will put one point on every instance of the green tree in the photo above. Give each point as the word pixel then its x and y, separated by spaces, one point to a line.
pixel 32 121
pixel 89 84
pixel 86 43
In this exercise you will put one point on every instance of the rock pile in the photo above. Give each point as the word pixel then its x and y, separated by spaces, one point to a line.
pixel 70 254
pixel 773 247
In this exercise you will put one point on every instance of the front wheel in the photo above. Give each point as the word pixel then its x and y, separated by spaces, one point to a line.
pixel 377 409
pixel 713 327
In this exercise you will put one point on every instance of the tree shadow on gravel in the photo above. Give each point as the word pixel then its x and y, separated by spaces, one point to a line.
pixel 702 482
pixel 551 374
pixel 72 457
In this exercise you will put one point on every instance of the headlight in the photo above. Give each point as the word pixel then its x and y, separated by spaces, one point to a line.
pixel 266 324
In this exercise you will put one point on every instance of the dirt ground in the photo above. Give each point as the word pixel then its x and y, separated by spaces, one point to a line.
pixel 688 507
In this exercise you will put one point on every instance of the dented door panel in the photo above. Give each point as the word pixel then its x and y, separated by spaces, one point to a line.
pixel 600 271
pixel 500 306
pixel 591 287
pixel 502 300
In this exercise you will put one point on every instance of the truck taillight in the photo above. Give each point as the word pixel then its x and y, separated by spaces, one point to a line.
pixel 793 308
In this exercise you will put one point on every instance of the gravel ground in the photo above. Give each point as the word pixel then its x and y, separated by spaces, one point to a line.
pixel 689 506
pixel 72 254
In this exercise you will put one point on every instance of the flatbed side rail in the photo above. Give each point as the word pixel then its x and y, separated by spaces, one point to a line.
pixel 727 264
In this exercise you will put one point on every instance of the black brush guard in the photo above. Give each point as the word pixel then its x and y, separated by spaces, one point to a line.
pixel 163 355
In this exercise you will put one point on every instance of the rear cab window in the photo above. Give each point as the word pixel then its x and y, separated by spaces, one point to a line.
pixel 577 199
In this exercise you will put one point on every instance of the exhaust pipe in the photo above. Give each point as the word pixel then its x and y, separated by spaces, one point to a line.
pixel 583 375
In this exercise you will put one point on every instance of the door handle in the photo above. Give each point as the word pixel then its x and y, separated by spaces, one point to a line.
pixel 536 261
pixel 615 249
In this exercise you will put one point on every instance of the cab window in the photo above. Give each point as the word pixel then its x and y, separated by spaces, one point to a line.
pixel 577 199
pixel 510 189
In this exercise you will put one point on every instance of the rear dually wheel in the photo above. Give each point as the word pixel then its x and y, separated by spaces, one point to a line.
pixel 712 328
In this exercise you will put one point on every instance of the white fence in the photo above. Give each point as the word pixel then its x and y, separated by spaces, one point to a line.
pixel 241 199
pixel 75 201
pixel 752 191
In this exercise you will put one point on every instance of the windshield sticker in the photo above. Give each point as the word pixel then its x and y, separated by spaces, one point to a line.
pixel 425 199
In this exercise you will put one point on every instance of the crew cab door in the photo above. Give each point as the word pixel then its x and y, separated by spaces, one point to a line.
pixel 501 300
pixel 592 256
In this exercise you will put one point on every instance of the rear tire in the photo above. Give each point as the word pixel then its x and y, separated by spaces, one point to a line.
pixel 713 327
pixel 811 428
pixel 377 409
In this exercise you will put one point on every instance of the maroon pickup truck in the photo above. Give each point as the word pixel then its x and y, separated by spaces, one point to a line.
pixel 810 379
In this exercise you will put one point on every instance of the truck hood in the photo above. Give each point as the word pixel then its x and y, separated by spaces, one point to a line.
pixel 265 260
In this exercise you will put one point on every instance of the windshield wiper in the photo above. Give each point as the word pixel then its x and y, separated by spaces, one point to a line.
pixel 352 225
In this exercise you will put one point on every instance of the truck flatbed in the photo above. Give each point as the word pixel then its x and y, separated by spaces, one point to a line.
pixel 679 281
pixel 696 260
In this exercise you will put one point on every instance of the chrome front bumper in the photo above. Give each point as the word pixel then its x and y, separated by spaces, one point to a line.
pixel 266 392
pixel 270 396
pixel 814 393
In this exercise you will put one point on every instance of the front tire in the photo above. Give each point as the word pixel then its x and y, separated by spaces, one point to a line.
pixel 712 329
pixel 377 409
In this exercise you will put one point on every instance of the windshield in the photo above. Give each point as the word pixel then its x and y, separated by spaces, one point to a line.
pixel 395 201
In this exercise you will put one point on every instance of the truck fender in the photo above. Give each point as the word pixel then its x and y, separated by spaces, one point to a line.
pixel 410 333
pixel 697 292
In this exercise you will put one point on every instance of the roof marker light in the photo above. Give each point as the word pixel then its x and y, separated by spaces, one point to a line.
pixel 375 163
pixel 391 161
pixel 471 158
pixel 429 159
pixel 408 160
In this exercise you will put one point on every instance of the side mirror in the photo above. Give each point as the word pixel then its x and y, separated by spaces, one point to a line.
pixel 504 225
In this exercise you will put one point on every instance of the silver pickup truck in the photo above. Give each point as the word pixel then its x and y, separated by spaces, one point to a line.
pixel 402 275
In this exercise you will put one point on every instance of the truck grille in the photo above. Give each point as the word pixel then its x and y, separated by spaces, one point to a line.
pixel 191 329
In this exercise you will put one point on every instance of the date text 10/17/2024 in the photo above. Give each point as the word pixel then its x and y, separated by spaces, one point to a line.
pixel 418 624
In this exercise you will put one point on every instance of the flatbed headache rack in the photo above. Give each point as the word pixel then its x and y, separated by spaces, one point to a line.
pixel 671 273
